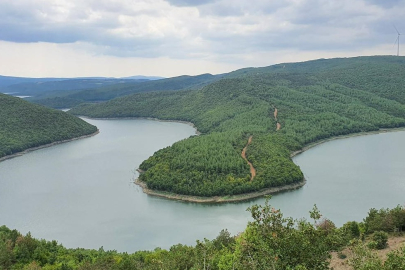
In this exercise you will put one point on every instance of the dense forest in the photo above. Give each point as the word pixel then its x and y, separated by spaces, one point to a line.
pixel 25 125
pixel 66 94
pixel 270 241
pixel 61 85
pixel 283 107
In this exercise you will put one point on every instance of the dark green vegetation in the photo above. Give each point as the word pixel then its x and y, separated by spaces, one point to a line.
pixel 72 92
pixel 6 81
pixel 25 125
pixel 315 100
pixel 44 88
pixel 270 241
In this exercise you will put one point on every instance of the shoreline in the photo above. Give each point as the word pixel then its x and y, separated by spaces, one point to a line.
pixel 352 135
pixel 18 154
pixel 261 193
pixel 144 118
pixel 215 199
pixel 218 199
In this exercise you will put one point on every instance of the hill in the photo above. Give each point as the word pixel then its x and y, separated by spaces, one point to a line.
pixel 44 87
pixel 141 77
pixel 67 99
pixel 283 107
pixel 8 80
pixel 25 125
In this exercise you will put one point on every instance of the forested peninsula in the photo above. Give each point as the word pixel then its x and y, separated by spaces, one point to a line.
pixel 25 125
pixel 258 117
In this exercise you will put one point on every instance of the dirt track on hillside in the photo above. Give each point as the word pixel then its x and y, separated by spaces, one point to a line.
pixel 252 169
pixel 278 125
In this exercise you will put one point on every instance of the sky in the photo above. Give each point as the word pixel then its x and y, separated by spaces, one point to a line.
pixel 117 38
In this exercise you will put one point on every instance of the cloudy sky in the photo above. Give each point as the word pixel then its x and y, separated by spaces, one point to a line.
pixel 70 38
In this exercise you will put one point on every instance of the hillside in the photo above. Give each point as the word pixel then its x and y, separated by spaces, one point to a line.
pixel 62 85
pixel 6 81
pixel 117 88
pixel 25 125
pixel 283 107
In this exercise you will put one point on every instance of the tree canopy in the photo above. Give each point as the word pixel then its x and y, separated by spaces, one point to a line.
pixel 25 125
pixel 314 100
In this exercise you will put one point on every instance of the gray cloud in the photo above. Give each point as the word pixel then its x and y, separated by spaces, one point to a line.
pixel 386 3
pixel 215 29
pixel 182 3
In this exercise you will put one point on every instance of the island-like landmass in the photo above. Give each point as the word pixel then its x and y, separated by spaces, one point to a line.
pixel 257 118
pixel 25 126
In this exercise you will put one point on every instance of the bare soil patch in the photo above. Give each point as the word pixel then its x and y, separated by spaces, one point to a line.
pixel 394 243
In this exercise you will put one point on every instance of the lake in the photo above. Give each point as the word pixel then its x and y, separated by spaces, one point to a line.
pixel 82 194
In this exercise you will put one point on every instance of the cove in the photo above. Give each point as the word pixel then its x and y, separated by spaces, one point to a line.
pixel 82 194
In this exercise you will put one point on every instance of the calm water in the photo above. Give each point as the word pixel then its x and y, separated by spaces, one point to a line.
pixel 81 193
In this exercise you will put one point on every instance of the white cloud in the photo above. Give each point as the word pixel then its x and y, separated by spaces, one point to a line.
pixel 236 33
pixel 74 60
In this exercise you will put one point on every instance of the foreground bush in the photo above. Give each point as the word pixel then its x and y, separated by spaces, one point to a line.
pixel 270 241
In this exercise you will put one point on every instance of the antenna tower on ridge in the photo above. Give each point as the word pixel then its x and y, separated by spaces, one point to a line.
pixel 397 40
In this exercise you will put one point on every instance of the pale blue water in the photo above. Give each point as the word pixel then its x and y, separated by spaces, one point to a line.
pixel 81 193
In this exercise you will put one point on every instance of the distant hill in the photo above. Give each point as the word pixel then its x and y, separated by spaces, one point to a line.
pixel 25 125
pixel 7 80
pixel 36 86
pixel 60 86
pixel 282 108
pixel 140 77
pixel 66 93
pixel 64 99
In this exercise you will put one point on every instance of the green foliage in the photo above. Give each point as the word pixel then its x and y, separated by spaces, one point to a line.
pixel 25 125
pixel 64 94
pixel 274 242
pixel 395 260
pixel 387 220
pixel 352 229
pixel 270 241
pixel 381 239
pixel 372 245
pixel 316 100
pixel 365 259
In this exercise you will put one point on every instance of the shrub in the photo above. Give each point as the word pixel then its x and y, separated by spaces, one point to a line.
pixel 352 229
pixel 372 244
pixel 395 260
pixel 381 239
pixel 326 226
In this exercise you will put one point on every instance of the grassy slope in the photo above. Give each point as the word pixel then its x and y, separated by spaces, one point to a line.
pixel 25 125
pixel 315 100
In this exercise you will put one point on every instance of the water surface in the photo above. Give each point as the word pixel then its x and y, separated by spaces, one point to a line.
pixel 81 193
